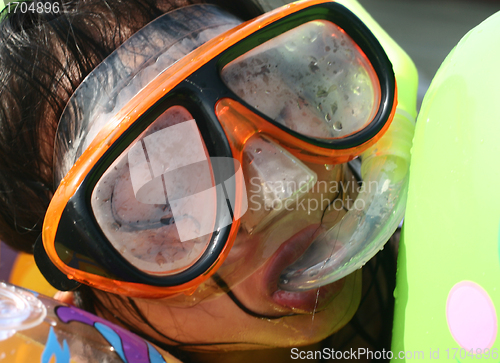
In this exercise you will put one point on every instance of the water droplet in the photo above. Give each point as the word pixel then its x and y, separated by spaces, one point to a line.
pixel 328 117
pixel 291 46
pixel 248 158
pixel 167 220
pixel 313 65
pixel 258 150
pixel 313 36
pixel 337 126
pixel 321 93
pixel 329 166
pixel 285 281
pixel 334 108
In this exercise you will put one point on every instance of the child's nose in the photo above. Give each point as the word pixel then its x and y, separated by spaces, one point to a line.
pixel 275 181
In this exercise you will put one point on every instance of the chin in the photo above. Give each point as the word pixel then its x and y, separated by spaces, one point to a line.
pixel 252 318
pixel 232 329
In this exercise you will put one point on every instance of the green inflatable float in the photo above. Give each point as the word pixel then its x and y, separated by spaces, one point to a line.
pixel 448 283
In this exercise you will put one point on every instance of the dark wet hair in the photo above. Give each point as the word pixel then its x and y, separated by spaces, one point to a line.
pixel 43 59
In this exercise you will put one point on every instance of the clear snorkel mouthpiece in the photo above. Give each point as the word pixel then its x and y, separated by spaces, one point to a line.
pixel 375 215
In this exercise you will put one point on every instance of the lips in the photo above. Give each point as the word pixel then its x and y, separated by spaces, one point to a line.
pixel 304 301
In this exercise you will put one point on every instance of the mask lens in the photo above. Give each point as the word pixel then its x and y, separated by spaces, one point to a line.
pixel 312 79
pixel 148 201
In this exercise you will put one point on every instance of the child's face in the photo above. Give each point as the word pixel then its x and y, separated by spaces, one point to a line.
pixel 241 306
pixel 256 313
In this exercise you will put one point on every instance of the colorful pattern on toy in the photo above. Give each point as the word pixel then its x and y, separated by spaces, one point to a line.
pixel 53 349
pixel 128 346
pixel 35 328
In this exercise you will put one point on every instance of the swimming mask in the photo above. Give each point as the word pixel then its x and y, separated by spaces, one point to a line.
pixel 166 147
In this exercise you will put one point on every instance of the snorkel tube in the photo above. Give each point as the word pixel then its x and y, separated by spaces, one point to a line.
pixel 380 205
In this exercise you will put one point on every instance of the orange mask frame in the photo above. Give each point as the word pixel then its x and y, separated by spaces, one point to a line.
pixel 238 121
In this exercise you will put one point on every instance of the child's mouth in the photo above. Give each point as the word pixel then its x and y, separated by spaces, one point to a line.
pixel 309 301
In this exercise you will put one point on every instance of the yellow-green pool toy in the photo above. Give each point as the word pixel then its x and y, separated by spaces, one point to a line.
pixel 448 283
